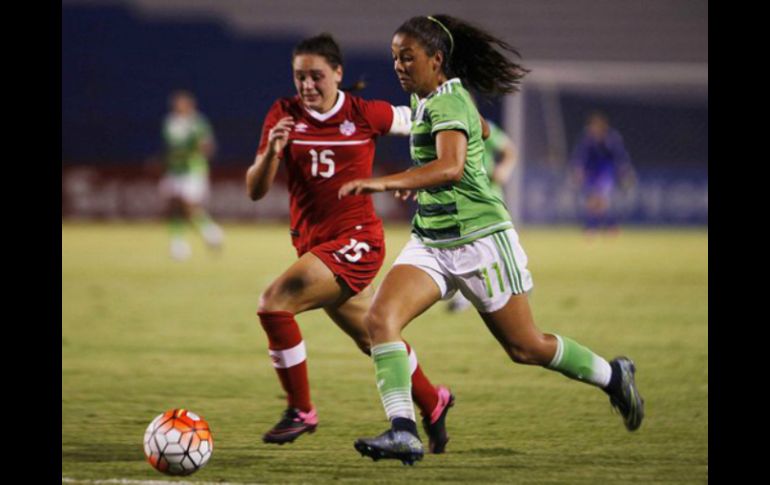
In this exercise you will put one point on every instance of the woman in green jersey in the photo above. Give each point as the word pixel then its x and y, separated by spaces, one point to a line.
pixel 462 235
pixel 185 186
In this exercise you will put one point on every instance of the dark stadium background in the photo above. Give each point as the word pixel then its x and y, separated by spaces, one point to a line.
pixel 122 58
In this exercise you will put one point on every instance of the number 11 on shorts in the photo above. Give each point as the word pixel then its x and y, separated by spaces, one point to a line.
pixel 488 283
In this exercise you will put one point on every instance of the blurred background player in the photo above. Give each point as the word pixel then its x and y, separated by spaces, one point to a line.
pixel 463 238
pixel 326 137
pixel 185 186
pixel 599 163
pixel 499 162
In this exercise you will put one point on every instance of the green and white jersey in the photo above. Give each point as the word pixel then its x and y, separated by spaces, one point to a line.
pixel 183 136
pixel 456 213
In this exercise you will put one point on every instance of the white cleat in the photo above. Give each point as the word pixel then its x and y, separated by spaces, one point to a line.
pixel 180 250
pixel 213 236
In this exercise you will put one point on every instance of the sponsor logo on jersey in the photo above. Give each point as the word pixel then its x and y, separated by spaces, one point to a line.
pixel 347 128
pixel 300 127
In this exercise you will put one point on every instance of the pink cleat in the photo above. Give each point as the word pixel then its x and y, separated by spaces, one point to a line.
pixel 293 423
pixel 435 425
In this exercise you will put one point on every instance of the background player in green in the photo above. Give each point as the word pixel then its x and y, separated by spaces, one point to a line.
pixel 499 157
pixel 463 238
pixel 185 186
pixel 499 163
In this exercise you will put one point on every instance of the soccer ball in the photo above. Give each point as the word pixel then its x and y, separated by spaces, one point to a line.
pixel 178 442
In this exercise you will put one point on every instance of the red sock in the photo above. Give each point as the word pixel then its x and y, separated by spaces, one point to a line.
pixel 287 350
pixel 423 392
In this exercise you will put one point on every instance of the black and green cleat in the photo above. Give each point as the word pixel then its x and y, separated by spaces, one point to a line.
pixel 627 399
pixel 392 444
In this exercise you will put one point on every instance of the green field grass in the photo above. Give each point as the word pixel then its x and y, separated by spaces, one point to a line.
pixel 142 334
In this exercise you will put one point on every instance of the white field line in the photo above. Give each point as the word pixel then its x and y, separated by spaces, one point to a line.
pixel 126 481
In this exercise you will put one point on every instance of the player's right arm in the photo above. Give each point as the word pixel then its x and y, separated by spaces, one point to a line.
pixel 260 176
pixel 451 150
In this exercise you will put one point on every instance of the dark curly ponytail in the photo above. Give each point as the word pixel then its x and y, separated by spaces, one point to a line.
pixel 470 53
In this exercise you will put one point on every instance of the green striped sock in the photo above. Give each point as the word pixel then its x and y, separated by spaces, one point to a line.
pixel 391 365
pixel 579 363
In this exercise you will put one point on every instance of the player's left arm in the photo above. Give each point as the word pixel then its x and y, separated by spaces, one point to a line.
pixel 402 121
pixel 208 147
pixel 485 130
pixel 508 159
pixel 390 120
pixel 207 143
pixel 451 149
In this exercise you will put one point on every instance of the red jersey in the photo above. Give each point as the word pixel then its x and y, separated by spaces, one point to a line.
pixel 323 152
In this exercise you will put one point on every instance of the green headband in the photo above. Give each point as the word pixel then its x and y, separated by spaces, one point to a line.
pixel 451 39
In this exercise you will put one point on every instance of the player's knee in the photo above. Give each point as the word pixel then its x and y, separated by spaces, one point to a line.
pixel 281 296
pixel 520 356
pixel 530 353
pixel 379 325
pixel 268 303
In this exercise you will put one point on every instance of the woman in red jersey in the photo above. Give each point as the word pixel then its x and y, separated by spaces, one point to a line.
pixel 326 137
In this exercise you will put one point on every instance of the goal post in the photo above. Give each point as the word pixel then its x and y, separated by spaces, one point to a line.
pixel 661 110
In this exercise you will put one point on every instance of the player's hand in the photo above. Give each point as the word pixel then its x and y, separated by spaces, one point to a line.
pixel 361 186
pixel 278 136
pixel 499 176
pixel 404 194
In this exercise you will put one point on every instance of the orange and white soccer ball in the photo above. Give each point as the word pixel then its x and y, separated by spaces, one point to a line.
pixel 178 442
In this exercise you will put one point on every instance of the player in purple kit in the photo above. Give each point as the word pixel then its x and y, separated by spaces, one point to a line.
pixel 599 162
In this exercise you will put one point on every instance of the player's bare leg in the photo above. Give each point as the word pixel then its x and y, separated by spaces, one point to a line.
pixel 433 401
pixel 514 327
pixel 305 285
pixel 349 316
pixel 405 293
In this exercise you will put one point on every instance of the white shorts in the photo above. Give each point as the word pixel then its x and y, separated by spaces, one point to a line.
pixel 486 271
pixel 193 188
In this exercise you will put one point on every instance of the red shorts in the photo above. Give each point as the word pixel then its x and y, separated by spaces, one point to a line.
pixel 355 257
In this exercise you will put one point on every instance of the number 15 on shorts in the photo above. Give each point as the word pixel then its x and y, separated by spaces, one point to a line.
pixel 357 248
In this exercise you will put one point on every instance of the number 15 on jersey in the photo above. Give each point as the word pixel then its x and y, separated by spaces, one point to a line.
pixel 324 159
